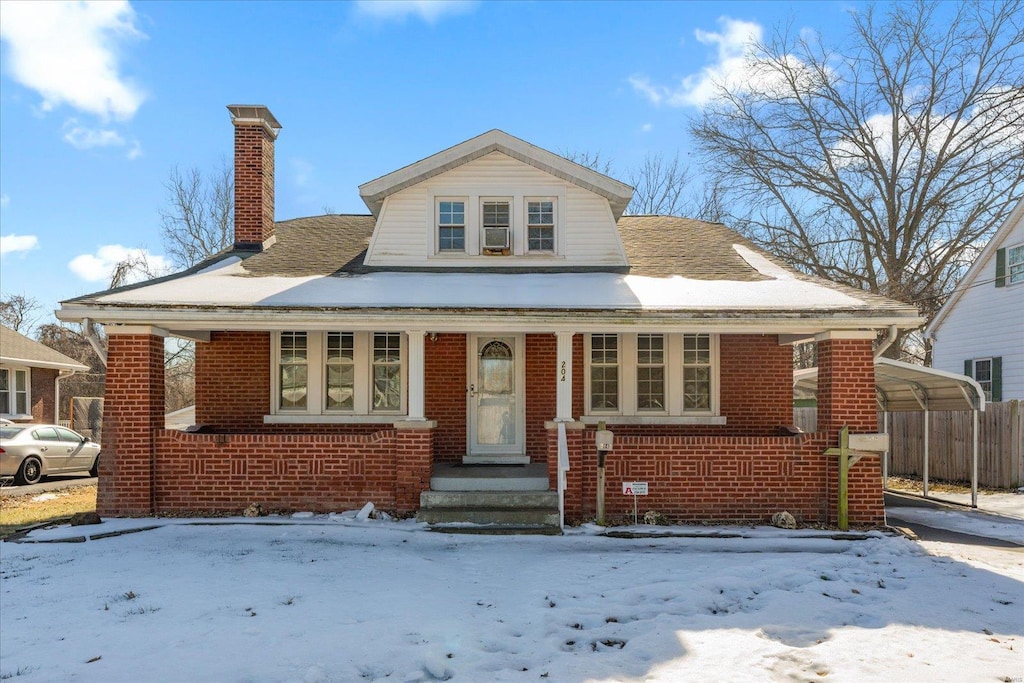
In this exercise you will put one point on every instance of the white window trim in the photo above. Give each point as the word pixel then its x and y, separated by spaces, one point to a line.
pixel 1009 266
pixel 674 413
pixel 467 208
pixel 474 197
pixel 316 410
pixel 981 383
pixel 12 391
pixel 556 207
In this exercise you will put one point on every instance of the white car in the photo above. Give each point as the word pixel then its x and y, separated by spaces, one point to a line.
pixel 29 452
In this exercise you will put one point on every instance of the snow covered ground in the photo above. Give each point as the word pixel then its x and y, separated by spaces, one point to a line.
pixel 335 599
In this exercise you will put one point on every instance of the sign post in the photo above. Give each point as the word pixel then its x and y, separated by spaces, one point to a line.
pixel 634 488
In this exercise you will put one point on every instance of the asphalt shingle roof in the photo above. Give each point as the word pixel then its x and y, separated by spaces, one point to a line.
pixel 16 347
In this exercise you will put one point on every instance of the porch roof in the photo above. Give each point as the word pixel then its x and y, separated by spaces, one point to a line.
pixel 904 387
pixel 684 269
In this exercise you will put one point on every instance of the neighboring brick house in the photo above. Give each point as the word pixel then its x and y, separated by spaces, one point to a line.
pixel 495 295
pixel 29 390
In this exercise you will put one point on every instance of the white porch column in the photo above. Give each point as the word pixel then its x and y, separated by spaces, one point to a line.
pixel 563 378
pixel 417 409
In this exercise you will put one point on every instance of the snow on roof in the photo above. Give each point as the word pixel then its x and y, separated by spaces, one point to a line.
pixel 227 284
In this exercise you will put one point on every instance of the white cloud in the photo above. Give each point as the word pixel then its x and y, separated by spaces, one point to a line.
pixel 81 137
pixel 135 151
pixel 733 44
pixel 302 172
pixel 647 128
pixel 68 52
pixel 100 266
pixel 10 244
pixel 427 10
pixel 4 200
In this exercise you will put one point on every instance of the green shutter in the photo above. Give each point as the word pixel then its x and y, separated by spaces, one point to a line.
pixel 1000 267
pixel 969 368
pixel 997 379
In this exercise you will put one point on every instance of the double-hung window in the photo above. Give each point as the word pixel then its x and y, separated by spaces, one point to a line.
pixel 496 221
pixel 604 372
pixel 293 372
pixel 650 372
pixel 697 371
pixel 14 393
pixel 1015 263
pixel 652 376
pixel 451 225
pixel 339 374
pixel 540 225
pixel 988 373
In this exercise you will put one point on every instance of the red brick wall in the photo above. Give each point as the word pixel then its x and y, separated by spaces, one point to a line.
pixel 697 478
pixel 254 184
pixel 218 473
pixel 133 409
pixel 233 381
pixel 444 374
pixel 41 393
pixel 756 383
pixel 541 370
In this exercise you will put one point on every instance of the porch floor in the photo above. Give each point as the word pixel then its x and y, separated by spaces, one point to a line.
pixel 457 477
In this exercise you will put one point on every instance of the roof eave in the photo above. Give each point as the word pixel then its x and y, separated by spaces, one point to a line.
pixel 617 193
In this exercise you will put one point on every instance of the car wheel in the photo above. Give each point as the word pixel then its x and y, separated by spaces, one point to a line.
pixel 94 471
pixel 31 471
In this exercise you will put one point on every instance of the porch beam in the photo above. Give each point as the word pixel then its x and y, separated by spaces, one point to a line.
pixel 563 377
pixel 416 380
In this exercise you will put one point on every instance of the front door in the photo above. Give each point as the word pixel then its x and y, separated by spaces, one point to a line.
pixel 496 411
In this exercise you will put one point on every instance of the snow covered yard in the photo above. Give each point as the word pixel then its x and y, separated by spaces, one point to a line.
pixel 331 599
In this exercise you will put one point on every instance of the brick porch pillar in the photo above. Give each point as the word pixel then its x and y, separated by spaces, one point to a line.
pixel 846 396
pixel 133 407
pixel 414 455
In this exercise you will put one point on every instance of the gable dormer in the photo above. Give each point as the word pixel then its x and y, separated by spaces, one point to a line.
pixel 495 201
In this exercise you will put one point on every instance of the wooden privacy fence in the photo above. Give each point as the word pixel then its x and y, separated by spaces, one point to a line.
pixel 951 443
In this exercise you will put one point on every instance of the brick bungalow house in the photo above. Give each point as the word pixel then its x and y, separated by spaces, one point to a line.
pixel 29 374
pixel 466 338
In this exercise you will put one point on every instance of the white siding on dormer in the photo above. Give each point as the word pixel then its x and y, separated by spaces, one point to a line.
pixel 987 321
pixel 586 232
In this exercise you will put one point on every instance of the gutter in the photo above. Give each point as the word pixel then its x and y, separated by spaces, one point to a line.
pixel 61 374
pixel 887 342
pixel 94 340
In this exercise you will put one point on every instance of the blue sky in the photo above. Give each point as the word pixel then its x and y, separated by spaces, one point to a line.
pixel 99 102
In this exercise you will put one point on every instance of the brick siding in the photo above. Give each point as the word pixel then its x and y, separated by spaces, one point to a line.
pixel 254 184
pixel 42 390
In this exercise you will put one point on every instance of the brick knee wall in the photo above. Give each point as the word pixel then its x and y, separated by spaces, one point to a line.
pixel 225 473
pixel 716 479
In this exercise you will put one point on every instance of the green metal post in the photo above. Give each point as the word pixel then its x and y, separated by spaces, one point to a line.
pixel 844 479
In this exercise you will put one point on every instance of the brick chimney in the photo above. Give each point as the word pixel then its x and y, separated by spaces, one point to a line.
pixel 255 132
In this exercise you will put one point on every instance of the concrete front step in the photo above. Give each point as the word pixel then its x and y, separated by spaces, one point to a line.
pixel 506 500
pixel 533 477
pixel 494 516
pixel 498 511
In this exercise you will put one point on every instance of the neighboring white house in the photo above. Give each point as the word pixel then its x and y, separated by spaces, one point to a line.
pixel 980 329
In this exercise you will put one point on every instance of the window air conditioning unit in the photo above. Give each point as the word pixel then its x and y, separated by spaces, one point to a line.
pixel 496 238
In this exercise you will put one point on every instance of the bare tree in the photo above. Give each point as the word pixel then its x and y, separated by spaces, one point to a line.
pixel 198 219
pixel 659 186
pixel 883 164
pixel 18 312
pixel 74 344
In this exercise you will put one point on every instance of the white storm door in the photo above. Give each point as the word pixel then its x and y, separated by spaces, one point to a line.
pixel 496 407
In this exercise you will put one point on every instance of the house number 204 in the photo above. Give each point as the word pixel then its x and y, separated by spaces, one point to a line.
pixel 562 372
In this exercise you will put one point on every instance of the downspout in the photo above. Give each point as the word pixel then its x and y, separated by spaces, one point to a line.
pixel 61 374
pixel 887 342
pixel 94 340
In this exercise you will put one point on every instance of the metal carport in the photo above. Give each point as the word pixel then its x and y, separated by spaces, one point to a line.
pixel 905 387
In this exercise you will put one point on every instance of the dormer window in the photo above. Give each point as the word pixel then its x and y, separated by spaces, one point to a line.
pixel 451 225
pixel 540 225
pixel 496 220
